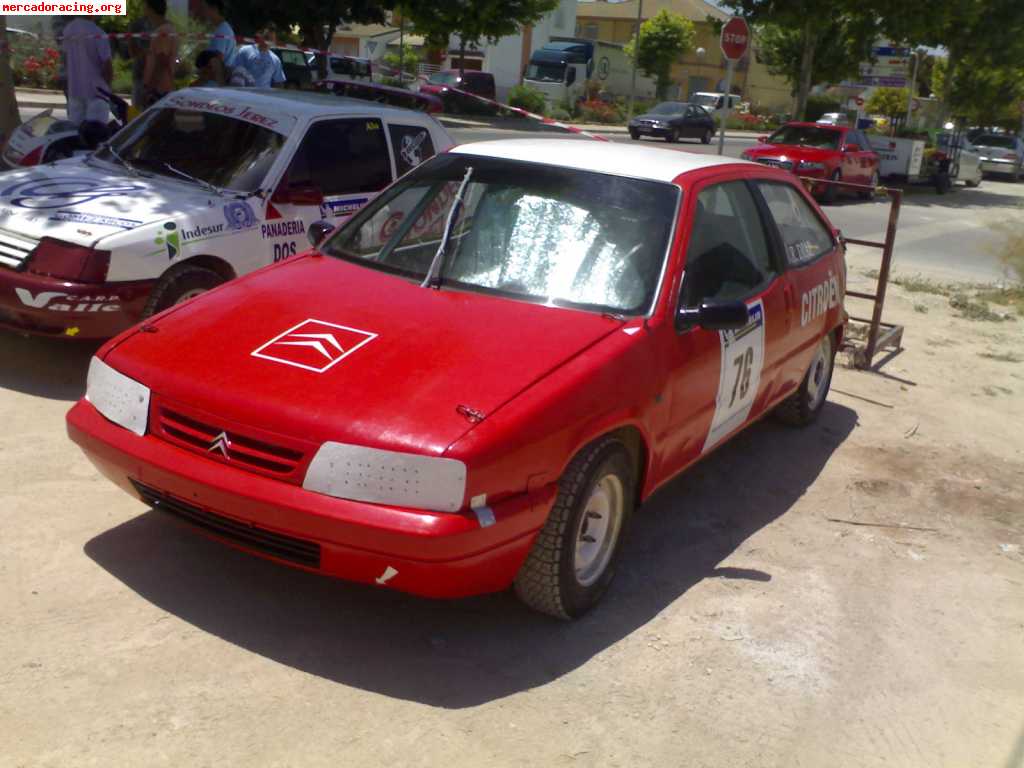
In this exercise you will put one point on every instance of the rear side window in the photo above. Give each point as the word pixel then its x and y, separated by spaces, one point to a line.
pixel 804 236
pixel 343 157
pixel 728 256
pixel 412 145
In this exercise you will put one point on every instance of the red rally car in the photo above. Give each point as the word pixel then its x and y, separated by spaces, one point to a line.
pixel 475 381
pixel 821 151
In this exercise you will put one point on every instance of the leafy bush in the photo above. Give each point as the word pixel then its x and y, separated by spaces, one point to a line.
pixel 596 111
pixel 525 97
pixel 122 82
pixel 37 71
pixel 558 113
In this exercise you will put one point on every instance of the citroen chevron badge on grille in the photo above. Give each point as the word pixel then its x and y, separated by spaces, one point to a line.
pixel 221 443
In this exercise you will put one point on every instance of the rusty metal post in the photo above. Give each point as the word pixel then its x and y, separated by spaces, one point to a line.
pixel 883 273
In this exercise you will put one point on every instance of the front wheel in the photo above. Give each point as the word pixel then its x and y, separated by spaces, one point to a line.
pixel 634 136
pixel 803 406
pixel 672 136
pixel 831 192
pixel 573 558
pixel 869 194
pixel 181 286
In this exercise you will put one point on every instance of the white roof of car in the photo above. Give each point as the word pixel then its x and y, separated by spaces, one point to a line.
pixel 632 160
pixel 298 103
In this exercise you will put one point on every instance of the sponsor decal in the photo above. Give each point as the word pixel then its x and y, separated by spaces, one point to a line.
pixel 314 345
pixel 169 239
pixel 282 229
pixel 341 207
pixel 372 125
pixel 43 193
pixel 201 232
pixel 92 218
pixel 739 377
pixel 56 301
pixel 410 149
pixel 284 250
pixel 222 108
pixel 239 215
pixel 820 299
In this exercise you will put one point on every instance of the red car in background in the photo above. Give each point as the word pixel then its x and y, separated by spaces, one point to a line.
pixel 832 152
pixel 441 85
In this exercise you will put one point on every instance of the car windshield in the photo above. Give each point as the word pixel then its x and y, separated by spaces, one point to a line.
pixel 669 108
pixel 443 78
pixel 547 73
pixel 213 149
pixel 806 136
pixel 525 231
pixel 991 140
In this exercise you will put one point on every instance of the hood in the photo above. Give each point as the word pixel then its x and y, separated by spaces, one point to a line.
pixel 82 203
pixel 320 349
pixel 791 152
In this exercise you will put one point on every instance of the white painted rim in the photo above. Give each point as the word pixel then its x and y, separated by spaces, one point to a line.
pixel 598 529
pixel 190 294
pixel 817 376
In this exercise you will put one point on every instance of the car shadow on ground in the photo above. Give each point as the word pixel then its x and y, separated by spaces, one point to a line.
pixel 463 653
pixel 51 368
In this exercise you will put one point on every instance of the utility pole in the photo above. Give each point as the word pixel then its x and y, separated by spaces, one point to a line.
pixel 726 106
pixel 401 49
pixel 636 55
pixel 913 87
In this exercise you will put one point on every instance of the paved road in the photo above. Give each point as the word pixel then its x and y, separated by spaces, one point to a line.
pixel 947 237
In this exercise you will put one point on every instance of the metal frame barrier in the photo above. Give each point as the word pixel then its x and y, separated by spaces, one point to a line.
pixel 881 335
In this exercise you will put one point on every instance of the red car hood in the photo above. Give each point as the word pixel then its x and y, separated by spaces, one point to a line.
pixel 793 152
pixel 247 353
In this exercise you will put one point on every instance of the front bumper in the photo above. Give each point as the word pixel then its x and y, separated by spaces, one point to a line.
pixel 46 306
pixel 649 130
pixel 431 554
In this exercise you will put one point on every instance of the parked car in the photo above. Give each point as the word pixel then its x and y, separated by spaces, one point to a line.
pixel 296 67
pixel 342 68
pixel 441 84
pixel 672 121
pixel 1001 153
pixel 474 382
pixel 836 153
pixel 207 184
pixel 968 164
pixel 382 94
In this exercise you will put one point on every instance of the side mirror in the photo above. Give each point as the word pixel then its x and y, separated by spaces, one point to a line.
pixel 762 139
pixel 716 315
pixel 317 231
pixel 298 194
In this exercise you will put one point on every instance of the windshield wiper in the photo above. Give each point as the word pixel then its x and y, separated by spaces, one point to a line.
pixel 202 182
pixel 433 279
pixel 128 166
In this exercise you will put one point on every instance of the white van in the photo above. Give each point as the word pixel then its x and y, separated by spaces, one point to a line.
pixel 715 102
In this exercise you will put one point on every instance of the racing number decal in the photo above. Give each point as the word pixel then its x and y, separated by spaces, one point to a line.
pixel 739 375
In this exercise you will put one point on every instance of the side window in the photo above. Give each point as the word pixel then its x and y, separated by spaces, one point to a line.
pixel 412 145
pixel 728 256
pixel 804 236
pixel 343 157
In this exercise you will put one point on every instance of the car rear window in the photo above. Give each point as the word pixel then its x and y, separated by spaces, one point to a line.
pixel 990 140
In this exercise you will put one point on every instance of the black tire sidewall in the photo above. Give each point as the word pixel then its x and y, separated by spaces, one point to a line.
pixel 169 291
pixel 576 598
pixel 831 193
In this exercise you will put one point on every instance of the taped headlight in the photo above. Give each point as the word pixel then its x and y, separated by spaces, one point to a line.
pixel 387 477
pixel 121 399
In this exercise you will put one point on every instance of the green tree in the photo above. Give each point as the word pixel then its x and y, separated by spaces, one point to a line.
pixel 891 102
pixel 408 59
pixel 663 40
pixel 316 19
pixel 472 21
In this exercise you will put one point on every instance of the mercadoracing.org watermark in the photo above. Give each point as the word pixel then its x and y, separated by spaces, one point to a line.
pixel 83 9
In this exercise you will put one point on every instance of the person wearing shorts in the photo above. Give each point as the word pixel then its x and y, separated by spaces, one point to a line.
pixel 89 67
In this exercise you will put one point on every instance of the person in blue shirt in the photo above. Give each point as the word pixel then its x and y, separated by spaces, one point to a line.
pixel 222 40
pixel 261 62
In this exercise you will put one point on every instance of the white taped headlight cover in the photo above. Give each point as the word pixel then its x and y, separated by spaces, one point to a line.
pixel 387 477
pixel 121 399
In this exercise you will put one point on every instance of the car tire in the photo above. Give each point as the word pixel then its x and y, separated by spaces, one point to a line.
pixel 869 194
pixel 707 136
pixel 974 183
pixel 803 406
pixel 672 136
pixel 831 193
pixel 572 563
pixel 634 136
pixel 1015 176
pixel 179 286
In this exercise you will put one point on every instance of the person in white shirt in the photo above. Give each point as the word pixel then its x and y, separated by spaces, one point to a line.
pixel 88 66
pixel 259 61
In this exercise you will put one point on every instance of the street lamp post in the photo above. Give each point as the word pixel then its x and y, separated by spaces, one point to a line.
pixel 636 55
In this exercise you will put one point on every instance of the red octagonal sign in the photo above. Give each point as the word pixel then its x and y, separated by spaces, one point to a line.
pixel 735 38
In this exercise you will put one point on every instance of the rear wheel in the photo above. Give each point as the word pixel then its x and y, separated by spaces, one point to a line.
pixel 803 406
pixel 572 561
pixel 180 286
pixel 707 136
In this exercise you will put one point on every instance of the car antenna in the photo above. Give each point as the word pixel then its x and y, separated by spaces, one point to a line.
pixel 433 279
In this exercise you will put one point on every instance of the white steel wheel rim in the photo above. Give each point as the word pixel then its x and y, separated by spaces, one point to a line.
pixel 817 376
pixel 598 529
pixel 190 295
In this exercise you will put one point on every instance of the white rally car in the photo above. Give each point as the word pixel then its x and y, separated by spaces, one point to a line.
pixel 208 184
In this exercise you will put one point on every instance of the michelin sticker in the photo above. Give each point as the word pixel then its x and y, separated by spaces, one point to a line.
pixel 331 208
pixel 43 193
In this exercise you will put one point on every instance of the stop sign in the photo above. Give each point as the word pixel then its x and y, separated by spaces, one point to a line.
pixel 735 38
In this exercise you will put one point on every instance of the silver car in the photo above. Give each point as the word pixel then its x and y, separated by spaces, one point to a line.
pixel 1001 153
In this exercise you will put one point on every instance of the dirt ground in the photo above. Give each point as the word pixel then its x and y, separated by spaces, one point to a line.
pixel 847 595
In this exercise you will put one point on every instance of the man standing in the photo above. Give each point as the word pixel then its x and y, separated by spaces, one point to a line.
pixel 261 62
pixel 87 56
pixel 162 53
pixel 223 39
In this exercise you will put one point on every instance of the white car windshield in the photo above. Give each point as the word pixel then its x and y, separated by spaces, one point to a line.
pixel 526 231
pixel 208 148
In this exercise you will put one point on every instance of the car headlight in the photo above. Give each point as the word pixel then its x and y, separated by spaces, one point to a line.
pixel 806 166
pixel 387 477
pixel 119 398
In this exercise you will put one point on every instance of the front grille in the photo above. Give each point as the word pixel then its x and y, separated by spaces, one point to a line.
pixel 277 545
pixel 786 165
pixel 15 248
pixel 228 444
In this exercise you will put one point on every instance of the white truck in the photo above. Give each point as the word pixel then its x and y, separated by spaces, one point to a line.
pixel 562 68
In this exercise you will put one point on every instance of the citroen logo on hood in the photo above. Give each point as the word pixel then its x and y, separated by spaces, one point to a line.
pixel 221 443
